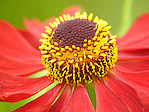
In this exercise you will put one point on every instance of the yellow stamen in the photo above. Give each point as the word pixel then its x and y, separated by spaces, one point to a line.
pixel 76 59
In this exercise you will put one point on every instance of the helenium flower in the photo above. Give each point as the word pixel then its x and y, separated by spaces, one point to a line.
pixel 76 50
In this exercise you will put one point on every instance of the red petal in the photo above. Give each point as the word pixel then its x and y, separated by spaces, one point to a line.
pixel 107 101
pixel 125 93
pixel 137 37
pixel 137 80
pixel 79 101
pixel 62 100
pixel 143 99
pixel 14 88
pixel 134 55
pixel 43 103
pixel 136 75
pixel 13 44
pixel 18 67
pixel 33 40
pixel 34 27
pixel 71 10
pixel 135 66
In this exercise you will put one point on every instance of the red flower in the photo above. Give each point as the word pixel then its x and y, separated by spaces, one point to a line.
pixel 126 91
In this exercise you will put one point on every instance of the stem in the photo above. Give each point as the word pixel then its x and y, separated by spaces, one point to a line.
pixel 126 16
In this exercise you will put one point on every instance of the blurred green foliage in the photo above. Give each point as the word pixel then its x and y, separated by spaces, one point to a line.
pixel 14 11
pixel 111 10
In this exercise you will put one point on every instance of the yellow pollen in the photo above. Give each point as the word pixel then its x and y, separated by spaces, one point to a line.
pixel 78 49
pixel 89 48
pixel 89 42
pixel 65 17
pixel 71 55
pixel 73 46
pixel 75 54
pixel 51 25
pixel 61 19
pixel 55 43
pixel 66 47
pixel 85 40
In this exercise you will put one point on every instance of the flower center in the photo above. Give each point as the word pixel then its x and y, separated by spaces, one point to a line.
pixel 77 49
pixel 74 32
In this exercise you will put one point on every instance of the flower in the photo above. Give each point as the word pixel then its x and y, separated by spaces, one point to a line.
pixel 119 85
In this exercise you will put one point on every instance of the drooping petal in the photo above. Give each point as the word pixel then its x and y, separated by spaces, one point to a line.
pixel 137 37
pixel 18 67
pixel 142 54
pixel 43 103
pixel 137 80
pixel 133 66
pixel 79 101
pixel 62 101
pixel 125 93
pixel 13 44
pixel 107 101
pixel 13 88
pixel 32 39
pixel 71 10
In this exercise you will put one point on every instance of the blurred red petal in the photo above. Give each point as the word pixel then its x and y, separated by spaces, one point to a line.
pixel 79 101
pixel 43 103
pixel 137 80
pixel 71 10
pixel 18 67
pixel 13 44
pixel 33 40
pixel 62 100
pixel 125 93
pixel 142 54
pixel 34 27
pixel 107 101
pixel 137 37
pixel 133 66
pixel 13 89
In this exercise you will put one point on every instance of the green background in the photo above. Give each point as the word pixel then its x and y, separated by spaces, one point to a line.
pixel 14 11
pixel 111 10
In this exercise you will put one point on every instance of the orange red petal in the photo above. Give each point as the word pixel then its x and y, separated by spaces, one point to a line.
pixel 137 37
pixel 62 101
pixel 13 44
pixel 107 101
pixel 125 93
pixel 42 103
pixel 18 67
pixel 79 101
pixel 133 66
pixel 30 37
pixel 138 80
pixel 142 54
pixel 13 88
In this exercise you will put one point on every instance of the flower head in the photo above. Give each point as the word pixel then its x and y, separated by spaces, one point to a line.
pixel 76 49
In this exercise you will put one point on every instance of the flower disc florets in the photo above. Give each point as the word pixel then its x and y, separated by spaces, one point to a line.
pixel 77 49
